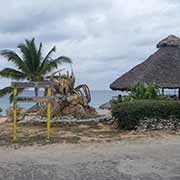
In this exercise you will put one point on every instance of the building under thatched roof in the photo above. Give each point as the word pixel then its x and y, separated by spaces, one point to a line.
pixel 162 68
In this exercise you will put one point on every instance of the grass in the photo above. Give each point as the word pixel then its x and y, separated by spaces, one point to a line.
pixel 72 139
pixel 36 134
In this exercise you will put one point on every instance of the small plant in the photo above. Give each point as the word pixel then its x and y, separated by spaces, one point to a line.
pixel 143 91
pixel 129 114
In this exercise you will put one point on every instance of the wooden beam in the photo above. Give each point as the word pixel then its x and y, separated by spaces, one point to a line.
pixel 43 84
pixel 34 99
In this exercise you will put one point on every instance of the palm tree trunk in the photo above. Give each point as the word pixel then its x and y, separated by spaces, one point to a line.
pixel 36 92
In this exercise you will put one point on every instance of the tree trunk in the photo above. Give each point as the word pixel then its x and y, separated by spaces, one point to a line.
pixel 36 92
pixel 163 91
pixel 178 93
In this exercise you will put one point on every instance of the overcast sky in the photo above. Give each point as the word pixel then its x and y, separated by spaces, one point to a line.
pixel 104 38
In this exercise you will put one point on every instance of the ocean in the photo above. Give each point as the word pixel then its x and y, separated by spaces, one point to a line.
pixel 98 98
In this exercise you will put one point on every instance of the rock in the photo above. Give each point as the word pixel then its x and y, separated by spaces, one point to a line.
pixel 3 119
pixel 20 113
pixel 56 109
pixel 68 110
pixel 72 106
pixel 105 106
pixel 158 124
pixel 91 111
pixel 79 112
pixel 72 98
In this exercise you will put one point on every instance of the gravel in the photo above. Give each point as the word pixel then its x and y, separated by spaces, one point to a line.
pixel 136 160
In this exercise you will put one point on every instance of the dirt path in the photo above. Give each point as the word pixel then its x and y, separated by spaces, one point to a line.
pixel 126 160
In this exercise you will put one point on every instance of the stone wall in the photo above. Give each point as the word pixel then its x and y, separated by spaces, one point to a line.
pixel 158 124
pixel 63 121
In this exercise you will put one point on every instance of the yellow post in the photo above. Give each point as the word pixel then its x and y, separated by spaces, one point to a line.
pixel 14 114
pixel 49 114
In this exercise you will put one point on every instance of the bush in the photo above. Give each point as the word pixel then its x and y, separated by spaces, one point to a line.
pixel 143 91
pixel 130 113
pixel 0 110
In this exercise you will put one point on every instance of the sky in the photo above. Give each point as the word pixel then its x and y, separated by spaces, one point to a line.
pixel 104 38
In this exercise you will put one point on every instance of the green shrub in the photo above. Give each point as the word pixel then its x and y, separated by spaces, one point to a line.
pixel 130 113
pixel 143 91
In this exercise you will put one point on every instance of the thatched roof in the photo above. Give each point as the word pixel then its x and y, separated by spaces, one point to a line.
pixel 162 68
pixel 170 41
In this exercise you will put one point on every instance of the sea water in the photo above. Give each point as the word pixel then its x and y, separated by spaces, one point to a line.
pixel 97 98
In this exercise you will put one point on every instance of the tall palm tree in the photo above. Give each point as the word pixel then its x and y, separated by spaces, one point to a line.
pixel 31 65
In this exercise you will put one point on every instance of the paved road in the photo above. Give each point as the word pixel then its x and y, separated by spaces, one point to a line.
pixel 140 160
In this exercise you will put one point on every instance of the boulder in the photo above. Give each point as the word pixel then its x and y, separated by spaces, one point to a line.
pixel 74 99
pixel 20 113
pixel 56 109
pixel 79 112
pixel 68 110
pixel 90 110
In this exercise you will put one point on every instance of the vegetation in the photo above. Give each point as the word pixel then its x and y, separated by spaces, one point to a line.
pixel 0 110
pixel 130 113
pixel 144 101
pixel 143 91
pixel 36 134
pixel 30 64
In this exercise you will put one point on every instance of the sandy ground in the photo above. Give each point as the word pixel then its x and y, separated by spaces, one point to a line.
pixel 147 159
pixel 3 119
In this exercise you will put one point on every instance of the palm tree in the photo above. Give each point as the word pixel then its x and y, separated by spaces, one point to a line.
pixel 31 65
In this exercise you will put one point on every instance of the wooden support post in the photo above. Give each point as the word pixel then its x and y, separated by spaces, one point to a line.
pixel 49 114
pixel 178 93
pixel 163 91
pixel 14 114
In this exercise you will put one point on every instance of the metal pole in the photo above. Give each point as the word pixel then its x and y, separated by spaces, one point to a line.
pixel 14 114
pixel 49 114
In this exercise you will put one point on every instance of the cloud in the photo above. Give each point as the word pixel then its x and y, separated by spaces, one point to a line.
pixel 104 38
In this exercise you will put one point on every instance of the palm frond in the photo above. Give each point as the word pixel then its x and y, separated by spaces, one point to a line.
pixel 34 54
pixel 53 64
pixel 9 90
pixel 62 59
pixel 11 96
pixel 26 56
pixel 47 57
pixel 6 91
pixel 12 73
pixel 40 51
pixel 49 66
pixel 13 57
